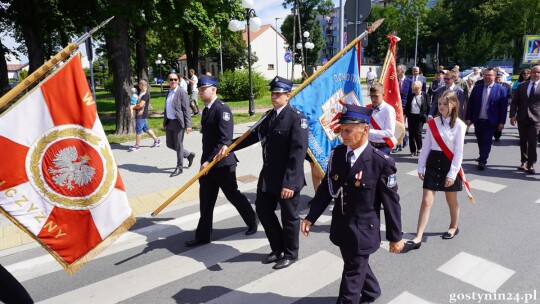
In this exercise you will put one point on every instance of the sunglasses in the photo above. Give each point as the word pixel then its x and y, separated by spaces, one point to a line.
pixel 173 79
pixel 447 78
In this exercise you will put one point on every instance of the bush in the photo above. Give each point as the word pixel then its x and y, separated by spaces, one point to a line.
pixel 235 85
pixel 109 85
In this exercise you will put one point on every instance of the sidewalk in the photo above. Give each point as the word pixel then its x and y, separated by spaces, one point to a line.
pixel 146 178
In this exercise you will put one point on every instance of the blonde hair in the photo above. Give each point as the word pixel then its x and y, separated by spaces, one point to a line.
pixel 450 97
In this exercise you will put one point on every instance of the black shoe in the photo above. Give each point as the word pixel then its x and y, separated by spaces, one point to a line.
pixel 252 229
pixel 176 172
pixel 413 245
pixel 481 167
pixel 195 242
pixel 448 236
pixel 190 158
pixel 284 263
pixel 523 166
pixel 531 170
pixel 272 257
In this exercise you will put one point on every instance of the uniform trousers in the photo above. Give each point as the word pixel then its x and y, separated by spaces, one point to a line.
pixel 415 132
pixel 174 136
pixel 357 279
pixel 223 178
pixel 484 137
pixel 11 291
pixel 282 239
pixel 528 132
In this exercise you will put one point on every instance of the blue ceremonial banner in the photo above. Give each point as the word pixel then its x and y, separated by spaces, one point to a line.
pixel 322 100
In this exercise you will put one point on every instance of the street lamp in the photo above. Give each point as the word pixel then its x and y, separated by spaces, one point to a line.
pixel 277 62
pixel 160 62
pixel 307 45
pixel 254 26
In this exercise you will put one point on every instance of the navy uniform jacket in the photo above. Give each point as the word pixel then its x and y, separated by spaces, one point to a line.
pixel 217 130
pixel 497 104
pixel 356 224
pixel 284 150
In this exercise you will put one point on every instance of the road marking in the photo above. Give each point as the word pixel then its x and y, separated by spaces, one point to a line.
pixel 538 201
pixel 477 271
pixel 413 172
pixel 406 298
pixel 293 283
pixel 154 275
pixel 486 186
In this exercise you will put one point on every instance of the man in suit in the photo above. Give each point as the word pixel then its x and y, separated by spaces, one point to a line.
pixel 525 110
pixel 404 90
pixel 416 76
pixel 176 122
pixel 283 135
pixel 360 179
pixel 437 83
pixel 499 80
pixel 449 84
pixel 486 109
pixel 217 130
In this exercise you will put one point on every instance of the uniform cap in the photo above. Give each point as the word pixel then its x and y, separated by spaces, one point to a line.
pixel 353 114
pixel 280 84
pixel 500 74
pixel 207 81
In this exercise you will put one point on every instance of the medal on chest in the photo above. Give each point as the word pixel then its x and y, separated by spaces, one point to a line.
pixel 358 176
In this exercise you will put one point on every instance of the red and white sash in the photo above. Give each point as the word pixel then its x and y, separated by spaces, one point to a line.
pixel 438 138
pixel 390 141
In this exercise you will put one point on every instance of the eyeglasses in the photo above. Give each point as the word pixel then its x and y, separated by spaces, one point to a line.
pixel 447 78
pixel 173 79
pixel 374 96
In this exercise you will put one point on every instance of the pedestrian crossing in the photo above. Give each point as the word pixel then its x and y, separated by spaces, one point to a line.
pixel 316 270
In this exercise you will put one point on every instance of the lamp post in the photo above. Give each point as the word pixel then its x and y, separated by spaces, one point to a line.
pixel 309 46
pixel 253 25
pixel 277 61
pixel 159 63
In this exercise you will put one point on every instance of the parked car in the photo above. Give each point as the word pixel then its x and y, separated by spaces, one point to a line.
pixel 506 78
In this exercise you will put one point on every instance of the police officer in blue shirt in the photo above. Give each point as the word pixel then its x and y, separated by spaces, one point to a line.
pixel 360 179
pixel 283 135
pixel 217 130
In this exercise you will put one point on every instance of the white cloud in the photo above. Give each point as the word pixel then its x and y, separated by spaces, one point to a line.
pixel 268 10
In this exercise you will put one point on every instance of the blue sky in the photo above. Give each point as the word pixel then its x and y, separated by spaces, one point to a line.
pixel 267 10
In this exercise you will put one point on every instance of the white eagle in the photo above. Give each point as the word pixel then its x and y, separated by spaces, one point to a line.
pixel 68 170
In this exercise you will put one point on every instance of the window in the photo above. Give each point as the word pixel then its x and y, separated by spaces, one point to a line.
pixel 270 67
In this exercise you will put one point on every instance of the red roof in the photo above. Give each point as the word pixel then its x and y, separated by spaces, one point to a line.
pixel 16 67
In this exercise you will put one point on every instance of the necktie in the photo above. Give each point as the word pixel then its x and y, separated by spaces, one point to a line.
pixel 273 116
pixel 531 92
pixel 350 155
pixel 376 109
pixel 204 112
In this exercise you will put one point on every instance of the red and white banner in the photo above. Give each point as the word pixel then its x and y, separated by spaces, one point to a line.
pixel 58 179
pixel 390 80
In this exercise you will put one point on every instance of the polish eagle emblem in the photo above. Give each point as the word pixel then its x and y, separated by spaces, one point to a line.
pixel 71 168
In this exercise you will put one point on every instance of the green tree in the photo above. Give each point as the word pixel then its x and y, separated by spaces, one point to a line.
pixel 234 52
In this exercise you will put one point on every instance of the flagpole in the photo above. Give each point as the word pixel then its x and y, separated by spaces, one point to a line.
pixel 372 28
pixel 207 168
pixel 349 46
pixel 385 64
pixel 47 66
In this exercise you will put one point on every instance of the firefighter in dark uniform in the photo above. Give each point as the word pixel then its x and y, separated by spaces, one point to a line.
pixel 283 135
pixel 217 130
pixel 360 179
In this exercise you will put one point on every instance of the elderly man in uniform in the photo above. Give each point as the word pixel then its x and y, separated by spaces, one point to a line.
pixel 283 135
pixel 360 179
pixel 217 129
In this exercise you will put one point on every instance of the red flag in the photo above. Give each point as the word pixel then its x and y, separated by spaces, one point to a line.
pixel 390 81
pixel 58 179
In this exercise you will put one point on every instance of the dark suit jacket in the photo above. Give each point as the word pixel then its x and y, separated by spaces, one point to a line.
pixel 521 107
pixel 422 79
pixel 355 225
pixel 424 105
pixel 284 150
pixel 180 108
pixel 435 101
pixel 405 90
pixel 217 127
pixel 497 104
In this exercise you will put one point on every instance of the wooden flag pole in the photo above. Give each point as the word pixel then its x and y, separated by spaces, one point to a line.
pixel 207 168
pixel 47 66
pixel 372 28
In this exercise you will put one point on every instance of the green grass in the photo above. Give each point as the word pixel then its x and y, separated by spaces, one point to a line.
pixel 107 108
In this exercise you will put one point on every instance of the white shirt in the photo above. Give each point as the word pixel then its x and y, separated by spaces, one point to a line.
pixel 416 103
pixel 454 139
pixel 356 152
pixel 182 84
pixel 386 118
pixel 195 80
pixel 371 75
pixel 168 104
pixel 535 86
